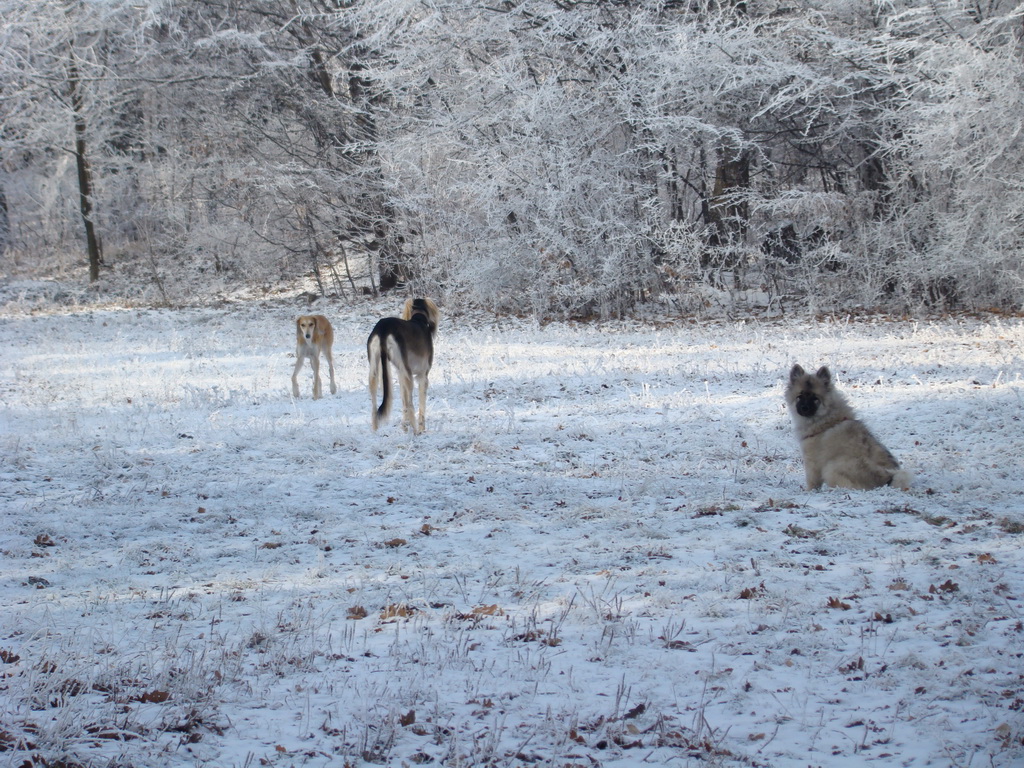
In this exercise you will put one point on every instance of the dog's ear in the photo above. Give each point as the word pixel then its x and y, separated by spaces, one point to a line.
pixel 298 327
pixel 432 312
pixel 796 373
pixel 407 310
pixel 825 375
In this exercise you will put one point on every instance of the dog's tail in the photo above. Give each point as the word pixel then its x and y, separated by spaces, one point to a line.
pixel 902 478
pixel 377 353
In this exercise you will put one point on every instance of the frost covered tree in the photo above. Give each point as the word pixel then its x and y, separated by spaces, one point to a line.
pixel 215 141
pixel 547 156
pixel 953 232
pixel 299 118
pixel 578 157
pixel 59 92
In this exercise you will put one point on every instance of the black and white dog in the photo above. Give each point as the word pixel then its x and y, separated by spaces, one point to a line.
pixel 409 343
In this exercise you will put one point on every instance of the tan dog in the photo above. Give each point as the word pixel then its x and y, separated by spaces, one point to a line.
pixel 313 335
pixel 408 342
pixel 838 449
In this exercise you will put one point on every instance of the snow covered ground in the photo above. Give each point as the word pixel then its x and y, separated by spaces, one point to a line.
pixel 599 554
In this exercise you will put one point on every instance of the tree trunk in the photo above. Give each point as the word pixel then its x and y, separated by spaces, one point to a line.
pixel 378 215
pixel 85 185
pixel 373 218
pixel 725 211
pixel 5 222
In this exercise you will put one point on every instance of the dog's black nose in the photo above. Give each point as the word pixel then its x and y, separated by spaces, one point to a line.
pixel 807 405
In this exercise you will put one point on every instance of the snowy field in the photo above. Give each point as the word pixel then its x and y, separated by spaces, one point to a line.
pixel 599 554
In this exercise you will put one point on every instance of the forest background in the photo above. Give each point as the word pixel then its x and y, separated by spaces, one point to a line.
pixel 559 158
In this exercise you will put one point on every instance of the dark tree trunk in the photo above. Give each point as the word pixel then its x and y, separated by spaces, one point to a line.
pixel 5 222
pixel 373 219
pixel 85 185
pixel 379 216
pixel 725 210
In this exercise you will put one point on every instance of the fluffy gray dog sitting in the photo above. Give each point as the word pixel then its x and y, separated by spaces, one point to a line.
pixel 838 449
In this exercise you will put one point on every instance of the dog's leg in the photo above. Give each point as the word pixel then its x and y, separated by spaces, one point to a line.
pixel 814 477
pixel 314 359
pixel 405 383
pixel 373 357
pixel 330 367
pixel 295 373
pixel 423 403
pixel 855 475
